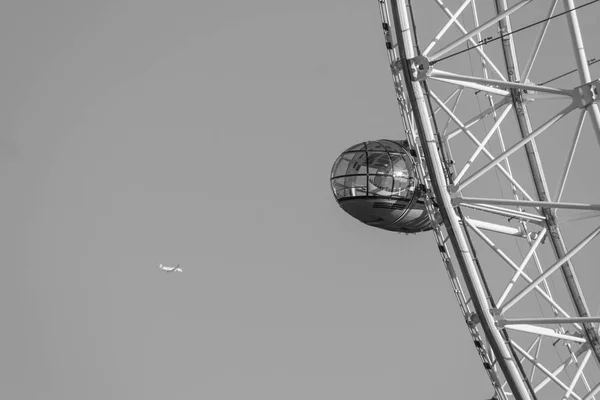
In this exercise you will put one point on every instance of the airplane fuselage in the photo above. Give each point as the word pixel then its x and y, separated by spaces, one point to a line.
pixel 170 269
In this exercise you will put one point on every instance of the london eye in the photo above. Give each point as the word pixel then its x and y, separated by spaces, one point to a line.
pixel 497 156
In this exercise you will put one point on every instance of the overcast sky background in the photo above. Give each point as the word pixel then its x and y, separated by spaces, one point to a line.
pixel 203 133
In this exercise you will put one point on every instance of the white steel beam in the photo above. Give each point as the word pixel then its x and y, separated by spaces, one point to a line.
pixel 514 266
pixel 537 354
pixel 474 140
pixel 565 173
pixel 458 200
pixel 445 27
pixel 489 226
pixel 549 271
pixel 506 212
pixel 473 42
pixel 473 85
pixel 529 96
pixel 445 131
pixel 538 43
pixel 538 330
pixel 532 249
pixel 483 142
pixel 460 186
pixel 582 65
pixel 547 372
pixel 565 364
pixel 448 99
pixel 586 357
pixel 556 321
pixel 538 342
pixel 438 73
pixel 592 393
pixel 556 371
pixel 480 116
pixel 477 30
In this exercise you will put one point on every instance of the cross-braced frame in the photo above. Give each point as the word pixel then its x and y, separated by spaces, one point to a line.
pixel 507 140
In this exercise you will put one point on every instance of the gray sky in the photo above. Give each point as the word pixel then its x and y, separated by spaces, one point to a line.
pixel 203 133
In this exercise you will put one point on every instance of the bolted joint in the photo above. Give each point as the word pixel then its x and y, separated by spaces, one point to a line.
pixel 396 67
pixel 501 323
pixel 419 68
pixel 495 312
pixel 472 319
pixel 588 93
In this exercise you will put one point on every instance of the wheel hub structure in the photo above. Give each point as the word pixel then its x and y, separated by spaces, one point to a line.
pixel 499 103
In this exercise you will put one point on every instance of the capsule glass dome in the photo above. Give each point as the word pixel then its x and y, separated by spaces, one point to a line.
pixel 375 182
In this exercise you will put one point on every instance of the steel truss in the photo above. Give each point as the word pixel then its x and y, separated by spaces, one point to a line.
pixel 529 352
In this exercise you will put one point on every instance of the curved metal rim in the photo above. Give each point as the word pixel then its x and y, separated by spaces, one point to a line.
pixel 429 143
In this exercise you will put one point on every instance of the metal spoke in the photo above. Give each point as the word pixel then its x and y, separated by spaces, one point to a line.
pixel 445 28
pixel 506 212
pixel 525 203
pixel 474 139
pixel 448 99
pixel 538 43
pixel 582 365
pixel 549 374
pixel 479 29
pixel 475 44
pixel 471 85
pixel 514 266
pixel 513 149
pixel 582 65
pixel 537 330
pixel 493 83
pixel 592 393
pixel 550 270
pixel 506 100
pixel 555 321
pixel 541 236
pixel 483 143
pixel 565 174
pixel 558 370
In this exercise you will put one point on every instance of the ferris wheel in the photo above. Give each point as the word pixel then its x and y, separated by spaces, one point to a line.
pixel 499 104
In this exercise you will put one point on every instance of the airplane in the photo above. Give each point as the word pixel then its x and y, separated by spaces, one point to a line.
pixel 168 269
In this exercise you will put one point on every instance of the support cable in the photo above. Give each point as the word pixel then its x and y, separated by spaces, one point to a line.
pixel 590 62
pixel 493 39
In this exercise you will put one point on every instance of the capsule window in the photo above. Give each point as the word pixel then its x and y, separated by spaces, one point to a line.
pixel 350 163
pixel 381 169
pixel 350 186
pixel 381 185
pixel 380 162
pixel 341 166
